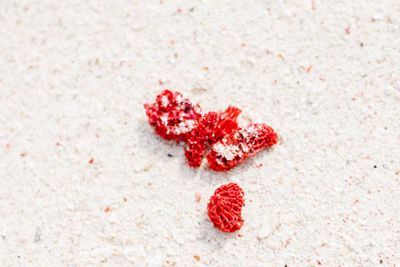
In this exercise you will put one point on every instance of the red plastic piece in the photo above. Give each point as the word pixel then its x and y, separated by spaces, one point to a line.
pixel 211 128
pixel 225 207
pixel 238 146
pixel 173 116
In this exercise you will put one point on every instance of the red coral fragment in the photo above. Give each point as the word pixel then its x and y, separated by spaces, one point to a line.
pixel 219 124
pixel 238 146
pixel 225 207
pixel 211 128
pixel 172 116
pixel 176 118
pixel 257 137
pixel 195 150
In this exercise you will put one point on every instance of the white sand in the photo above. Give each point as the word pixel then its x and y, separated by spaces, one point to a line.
pixel 78 72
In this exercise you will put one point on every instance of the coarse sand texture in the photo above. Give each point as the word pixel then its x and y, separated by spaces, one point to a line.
pixel 85 181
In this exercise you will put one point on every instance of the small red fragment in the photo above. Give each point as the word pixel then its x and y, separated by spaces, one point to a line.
pixel 91 161
pixel 225 207
pixel 238 146
pixel 221 124
pixel 196 257
pixel 347 30
pixel 211 128
pixel 107 209
pixel 172 116
pixel 196 147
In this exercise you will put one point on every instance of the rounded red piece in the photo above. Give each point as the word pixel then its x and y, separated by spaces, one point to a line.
pixel 225 207
pixel 173 116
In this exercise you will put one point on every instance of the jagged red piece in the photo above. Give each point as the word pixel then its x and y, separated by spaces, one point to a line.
pixel 239 145
pixel 211 128
pixel 172 116
pixel 225 207
pixel 176 118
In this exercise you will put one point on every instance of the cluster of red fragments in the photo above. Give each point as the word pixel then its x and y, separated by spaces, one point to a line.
pixel 216 133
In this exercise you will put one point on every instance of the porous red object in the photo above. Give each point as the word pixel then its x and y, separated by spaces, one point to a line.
pixel 257 136
pixel 195 151
pixel 239 145
pixel 212 127
pixel 225 207
pixel 176 118
pixel 219 124
pixel 172 116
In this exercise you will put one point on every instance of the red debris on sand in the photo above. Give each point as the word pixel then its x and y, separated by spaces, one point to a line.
pixel 211 128
pixel 91 161
pixel 221 123
pixel 172 116
pixel 176 118
pixel 195 151
pixel 225 208
pixel 238 146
